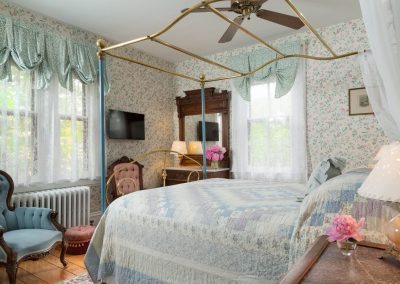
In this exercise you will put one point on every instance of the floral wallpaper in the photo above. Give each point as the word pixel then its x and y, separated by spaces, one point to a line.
pixel 134 89
pixel 330 130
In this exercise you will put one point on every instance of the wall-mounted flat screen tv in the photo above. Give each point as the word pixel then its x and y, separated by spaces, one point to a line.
pixel 125 125
pixel 212 131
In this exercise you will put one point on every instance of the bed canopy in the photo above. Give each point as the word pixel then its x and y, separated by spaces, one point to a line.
pixel 105 50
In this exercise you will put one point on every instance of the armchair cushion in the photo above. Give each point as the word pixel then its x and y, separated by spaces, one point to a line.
pixel 28 241
pixel 34 218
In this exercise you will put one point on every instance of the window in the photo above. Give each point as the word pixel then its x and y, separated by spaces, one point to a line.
pixel 269 128
pixel 45 135
pixel 269 134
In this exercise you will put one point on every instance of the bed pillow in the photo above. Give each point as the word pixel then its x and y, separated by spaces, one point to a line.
pixel 326 169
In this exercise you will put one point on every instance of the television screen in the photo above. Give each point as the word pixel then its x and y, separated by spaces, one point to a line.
pixel 212 131
pixel 125 125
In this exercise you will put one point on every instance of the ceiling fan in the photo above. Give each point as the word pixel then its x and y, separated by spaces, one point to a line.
pixel 247 7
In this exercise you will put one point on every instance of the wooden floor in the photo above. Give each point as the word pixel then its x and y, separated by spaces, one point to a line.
pixel 46 270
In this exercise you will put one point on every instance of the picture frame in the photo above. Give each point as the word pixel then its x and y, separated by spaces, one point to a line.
pixel 359 103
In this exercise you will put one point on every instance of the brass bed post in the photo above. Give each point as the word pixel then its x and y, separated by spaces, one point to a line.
pixel 203 124
pixel 100 54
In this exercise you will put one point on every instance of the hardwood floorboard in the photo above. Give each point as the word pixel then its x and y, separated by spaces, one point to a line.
pixel 47 270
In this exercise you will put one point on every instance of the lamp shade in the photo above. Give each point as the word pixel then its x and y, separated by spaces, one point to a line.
pixel 384 180
pixel 179 146
pixel 195 148
pixel 382 151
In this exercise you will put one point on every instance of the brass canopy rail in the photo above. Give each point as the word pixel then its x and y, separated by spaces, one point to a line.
pixel 107 50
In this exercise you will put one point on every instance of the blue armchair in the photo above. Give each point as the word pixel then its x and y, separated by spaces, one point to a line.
pixel 25 233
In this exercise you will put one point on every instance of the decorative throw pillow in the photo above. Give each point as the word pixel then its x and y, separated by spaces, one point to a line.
pixel 326 169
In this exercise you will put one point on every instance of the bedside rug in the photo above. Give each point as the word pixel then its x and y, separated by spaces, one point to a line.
pixel 83 278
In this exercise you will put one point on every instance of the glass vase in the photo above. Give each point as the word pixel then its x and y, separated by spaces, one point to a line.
pixel 347 247
pixel 214 164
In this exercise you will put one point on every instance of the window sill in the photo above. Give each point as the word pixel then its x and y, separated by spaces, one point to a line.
pixel 40 187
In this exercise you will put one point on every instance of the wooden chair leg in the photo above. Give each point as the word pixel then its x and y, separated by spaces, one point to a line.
pixel 62 254
pixel 12 268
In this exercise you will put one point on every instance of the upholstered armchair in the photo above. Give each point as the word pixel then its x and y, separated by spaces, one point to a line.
pixel 25 233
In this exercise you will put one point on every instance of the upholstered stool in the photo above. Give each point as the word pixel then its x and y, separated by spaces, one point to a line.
pixel 78 239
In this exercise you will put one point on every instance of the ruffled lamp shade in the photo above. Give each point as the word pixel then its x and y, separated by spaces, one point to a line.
pixel 383 182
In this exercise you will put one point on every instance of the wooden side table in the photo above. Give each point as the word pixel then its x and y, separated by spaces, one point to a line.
pixel 179 175
pixel 324 263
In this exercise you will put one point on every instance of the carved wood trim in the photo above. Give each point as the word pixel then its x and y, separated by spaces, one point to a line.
pixel 10 190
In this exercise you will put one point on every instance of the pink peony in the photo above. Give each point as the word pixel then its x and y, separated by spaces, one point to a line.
pixel 215 157
pixel 215 152
pixel 345 227
pixel 215 148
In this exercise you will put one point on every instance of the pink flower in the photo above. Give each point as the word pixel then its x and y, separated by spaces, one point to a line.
pixel 345 227
pixel 215 157
pixel 215 152
pixel 215 148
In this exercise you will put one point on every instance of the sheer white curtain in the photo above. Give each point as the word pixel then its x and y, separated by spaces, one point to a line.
pixel 381 66
pixel 50 135
pixel 269 134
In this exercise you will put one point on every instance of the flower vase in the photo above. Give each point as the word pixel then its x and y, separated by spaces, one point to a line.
pixel 347 247
pixel 214 164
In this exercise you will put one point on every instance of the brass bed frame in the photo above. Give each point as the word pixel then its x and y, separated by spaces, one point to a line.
pixel 105 50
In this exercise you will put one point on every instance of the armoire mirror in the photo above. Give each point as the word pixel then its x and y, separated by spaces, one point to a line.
pixel 217 119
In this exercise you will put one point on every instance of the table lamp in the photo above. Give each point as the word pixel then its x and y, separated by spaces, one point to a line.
pixel 383 183
pixel 195 148
pixel 382 151
pixel 180 148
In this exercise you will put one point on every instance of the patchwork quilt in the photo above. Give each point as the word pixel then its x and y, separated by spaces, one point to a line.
pixel 223 231
pixel 339 195
pixel 212 231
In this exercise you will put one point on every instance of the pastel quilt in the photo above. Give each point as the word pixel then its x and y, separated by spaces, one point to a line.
pixel 212 231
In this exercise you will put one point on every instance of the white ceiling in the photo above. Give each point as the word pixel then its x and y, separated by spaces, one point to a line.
pixel 122 20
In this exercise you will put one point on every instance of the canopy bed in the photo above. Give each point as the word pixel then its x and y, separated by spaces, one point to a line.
pixel 245 8
pixel 220 231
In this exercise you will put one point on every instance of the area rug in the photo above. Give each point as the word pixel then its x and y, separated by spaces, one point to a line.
pixel 83 278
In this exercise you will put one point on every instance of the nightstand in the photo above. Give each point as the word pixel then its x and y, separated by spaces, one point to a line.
pixel 177 175
pixel 323 263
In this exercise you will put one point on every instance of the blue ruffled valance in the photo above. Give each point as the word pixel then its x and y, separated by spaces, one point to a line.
pixel 46 55
pixel 284 70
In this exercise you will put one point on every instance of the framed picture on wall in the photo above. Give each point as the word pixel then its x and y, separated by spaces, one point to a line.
pixel 359 102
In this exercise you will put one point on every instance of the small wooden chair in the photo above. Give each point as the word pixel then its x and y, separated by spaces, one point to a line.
pixel 128 177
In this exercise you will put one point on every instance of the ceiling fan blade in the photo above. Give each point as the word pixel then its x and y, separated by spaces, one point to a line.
pixel 281 19
pixel 231 31
pixel 199 10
